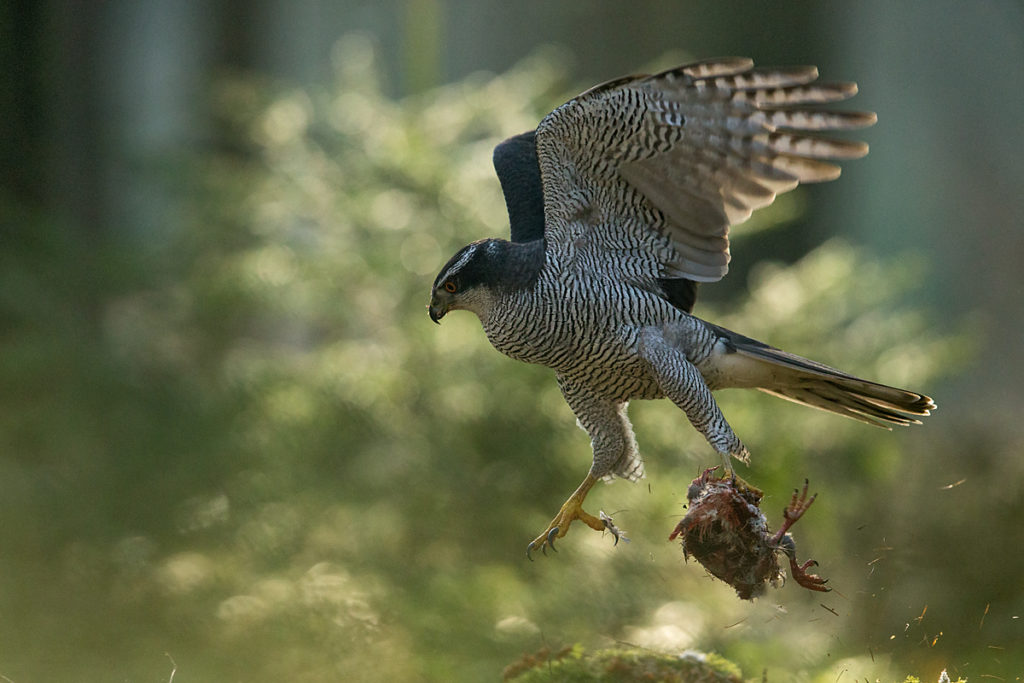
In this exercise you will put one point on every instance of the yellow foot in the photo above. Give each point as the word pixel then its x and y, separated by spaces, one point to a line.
pixel 570 511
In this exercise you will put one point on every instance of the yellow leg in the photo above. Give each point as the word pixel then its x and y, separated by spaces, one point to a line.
pixel 727 466
pixel 571 510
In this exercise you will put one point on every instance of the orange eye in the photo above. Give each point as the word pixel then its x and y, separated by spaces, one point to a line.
pixel 449 287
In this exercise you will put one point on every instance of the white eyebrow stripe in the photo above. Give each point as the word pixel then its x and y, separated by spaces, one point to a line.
pixel 463 260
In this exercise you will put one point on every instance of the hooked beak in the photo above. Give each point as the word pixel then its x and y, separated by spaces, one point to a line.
pixel 436 310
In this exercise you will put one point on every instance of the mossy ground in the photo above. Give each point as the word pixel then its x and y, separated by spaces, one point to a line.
pixel 574 664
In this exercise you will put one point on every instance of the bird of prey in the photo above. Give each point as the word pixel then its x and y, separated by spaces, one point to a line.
pixel 620 202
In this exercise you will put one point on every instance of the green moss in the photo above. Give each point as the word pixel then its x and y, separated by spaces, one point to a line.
pixel 573 664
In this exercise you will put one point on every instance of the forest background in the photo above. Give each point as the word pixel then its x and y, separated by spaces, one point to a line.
pixel 233 447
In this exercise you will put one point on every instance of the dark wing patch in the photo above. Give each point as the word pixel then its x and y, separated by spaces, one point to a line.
pixel 515 161
pixel 679 292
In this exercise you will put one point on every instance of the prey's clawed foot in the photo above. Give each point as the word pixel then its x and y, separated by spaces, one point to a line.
pixel 798 505
pixel 809 581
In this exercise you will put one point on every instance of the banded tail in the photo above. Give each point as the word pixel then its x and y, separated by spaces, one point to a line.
pixel 753 364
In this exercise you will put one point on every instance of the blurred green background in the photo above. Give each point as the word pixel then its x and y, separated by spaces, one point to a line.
pixel 233 447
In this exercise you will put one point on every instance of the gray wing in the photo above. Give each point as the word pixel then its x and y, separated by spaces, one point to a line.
pixel 644 175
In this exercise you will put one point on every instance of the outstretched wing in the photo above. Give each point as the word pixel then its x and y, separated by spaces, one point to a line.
pixel 643 176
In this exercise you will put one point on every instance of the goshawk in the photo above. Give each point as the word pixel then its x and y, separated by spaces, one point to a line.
pixel 620 202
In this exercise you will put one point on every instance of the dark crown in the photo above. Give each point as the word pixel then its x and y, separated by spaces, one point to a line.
pixel 494 263
pixel 470 266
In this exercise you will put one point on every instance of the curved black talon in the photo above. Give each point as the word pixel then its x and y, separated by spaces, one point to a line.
pixel 552 535
pixel 549 541
pixel 609 525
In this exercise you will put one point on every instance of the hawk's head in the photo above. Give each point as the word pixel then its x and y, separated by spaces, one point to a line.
pixel 464 281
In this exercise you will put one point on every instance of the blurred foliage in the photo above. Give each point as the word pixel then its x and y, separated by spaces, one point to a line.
pixel 243 445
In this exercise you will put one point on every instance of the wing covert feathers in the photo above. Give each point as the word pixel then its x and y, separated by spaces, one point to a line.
pixel 679 156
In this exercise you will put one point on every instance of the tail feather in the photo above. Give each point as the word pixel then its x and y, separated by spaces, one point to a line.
pixel 835 399
pixel 814 384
